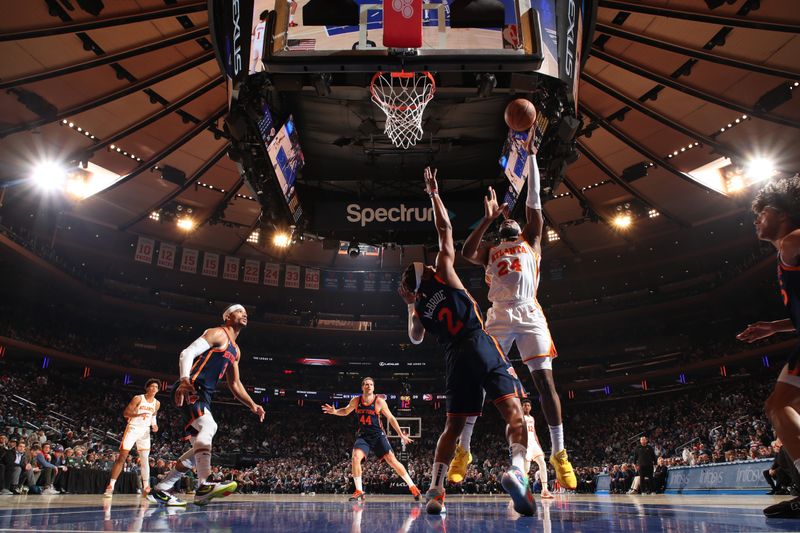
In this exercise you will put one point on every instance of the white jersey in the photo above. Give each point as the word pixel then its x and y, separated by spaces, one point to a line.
pixel 144 413
pixel 534 448
pixel 257 48
pixel 512 272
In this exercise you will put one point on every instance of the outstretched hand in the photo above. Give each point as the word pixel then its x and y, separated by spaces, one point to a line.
pixel 407 296
pixel 259 412
pixel 328 409
pixel 492 209
pixel 430 181
pixel 185 393
pixel 755 332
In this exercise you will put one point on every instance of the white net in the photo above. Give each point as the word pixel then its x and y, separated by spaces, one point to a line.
pixel 403 96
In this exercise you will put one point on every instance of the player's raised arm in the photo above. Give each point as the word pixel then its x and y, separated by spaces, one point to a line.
pixel 532 232
pixel 416 331
pixel 475 250
pixel 447 253
pixel 342 411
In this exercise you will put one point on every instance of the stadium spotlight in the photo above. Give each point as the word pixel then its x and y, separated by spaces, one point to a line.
pixel 49 176
pixel 186 223
pixel 759 169
pixel 281 239
pixel 622 221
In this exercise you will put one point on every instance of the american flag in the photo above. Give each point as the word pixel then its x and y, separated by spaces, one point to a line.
pixel 301 44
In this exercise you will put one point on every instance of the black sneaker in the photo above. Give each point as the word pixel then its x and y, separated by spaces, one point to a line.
pixel 784 509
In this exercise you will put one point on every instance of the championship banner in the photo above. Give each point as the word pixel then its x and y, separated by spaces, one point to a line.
pixel 271 273
pixel 251 267
pixel 331 280
pixel 350 281
pixel 230 269
pixel 312 279
pixel 189 261
pixel 370 282
pixel 210 264
pixel 292 277
pixel 144 250
pixel 386 282
pixel 166 256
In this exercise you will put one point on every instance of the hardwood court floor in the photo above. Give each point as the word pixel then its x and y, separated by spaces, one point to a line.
pixel 390 514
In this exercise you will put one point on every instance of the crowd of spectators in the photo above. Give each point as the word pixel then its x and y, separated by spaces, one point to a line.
pixel 75 424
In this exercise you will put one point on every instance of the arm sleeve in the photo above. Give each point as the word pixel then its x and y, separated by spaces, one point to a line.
pixel 187 356
pixel 411 325
pixel 533 200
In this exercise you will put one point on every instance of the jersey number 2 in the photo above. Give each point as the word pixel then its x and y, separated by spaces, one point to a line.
pixel 446 314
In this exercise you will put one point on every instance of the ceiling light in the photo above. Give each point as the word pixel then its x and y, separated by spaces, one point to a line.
pixel 186 223
pixel 49 176
pixel 155 215
pixel 281 239
pixel 622 221
pixel 759 169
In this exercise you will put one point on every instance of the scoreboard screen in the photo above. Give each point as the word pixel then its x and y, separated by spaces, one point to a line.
pixel 404 403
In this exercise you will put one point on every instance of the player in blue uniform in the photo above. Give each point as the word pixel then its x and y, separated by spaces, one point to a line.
pixel 777 210
pixel 203 363
pixel 439 304
pixel 370 436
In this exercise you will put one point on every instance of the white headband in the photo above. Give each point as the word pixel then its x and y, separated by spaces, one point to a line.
pixel 419 268
pixel 235 307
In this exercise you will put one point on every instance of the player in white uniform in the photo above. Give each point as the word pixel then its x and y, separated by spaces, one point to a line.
pixel 535 452
pixel 512 270
pixel 141 414
pixel 257 43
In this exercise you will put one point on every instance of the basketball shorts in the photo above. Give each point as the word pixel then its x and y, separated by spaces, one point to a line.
pixel 378 443
pixel 135 434
pixel 475 364
pixel 193 409
pixel 534 448
pixel 526 324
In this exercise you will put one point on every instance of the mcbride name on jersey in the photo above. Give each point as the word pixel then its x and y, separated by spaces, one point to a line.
pixel 445 312
pixel 512 272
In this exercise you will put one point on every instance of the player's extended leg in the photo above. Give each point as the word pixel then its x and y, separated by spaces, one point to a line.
pixel 116 470
pixel 184 463
pixel 542 473
pixel 445 449
pixel 144 468
pixel 206 429
pixel 515 481
pixel 397 466
pixel 358 456
pixel 782 408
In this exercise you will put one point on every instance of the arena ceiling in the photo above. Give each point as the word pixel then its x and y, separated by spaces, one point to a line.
pixel 670 86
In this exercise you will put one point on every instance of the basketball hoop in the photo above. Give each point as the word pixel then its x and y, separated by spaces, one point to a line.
pixel 403 97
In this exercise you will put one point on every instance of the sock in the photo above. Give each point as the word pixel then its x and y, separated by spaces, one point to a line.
pixel 112 483
pixel 466 433
pixel 518 452
pixel 407 479
pixel 203 461
pixel 556 438
pixel 357 481
pixel 169 480
pixel 438 475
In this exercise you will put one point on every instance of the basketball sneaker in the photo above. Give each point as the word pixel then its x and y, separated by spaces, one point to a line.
pixel 459 464
pixel 358 496
pixel 165 498
pixel 515 483
pixel 414 492
pixel 784 509
pixel 146 494
pixel 564 472
pixel 208 491
pixel 434 501
pixel 109 492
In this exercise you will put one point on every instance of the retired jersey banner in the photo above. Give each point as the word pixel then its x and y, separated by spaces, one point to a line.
pixel 350 281
pixel 331 280
pixel 144 250
pixel 370 282
pixel 230 269
pixel 292 277
pixel 210 264
pixel 386 282
pixel 166 255
pixel 189 261
pixel 251 267
pixel 271 272
pixel 312 279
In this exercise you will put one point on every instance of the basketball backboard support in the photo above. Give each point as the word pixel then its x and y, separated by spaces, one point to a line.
pixel 292 46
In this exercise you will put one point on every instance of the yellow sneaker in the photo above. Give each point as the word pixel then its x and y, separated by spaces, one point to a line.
pixel 459 464
pixel 564 472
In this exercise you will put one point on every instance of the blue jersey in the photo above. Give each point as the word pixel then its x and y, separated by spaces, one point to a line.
pixel 210 367
pixel 369 420
pixel 445 312
pixel 789 281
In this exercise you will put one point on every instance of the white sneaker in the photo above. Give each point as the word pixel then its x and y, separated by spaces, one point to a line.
pixel 165 498
pixel 50 491
pixel 108 493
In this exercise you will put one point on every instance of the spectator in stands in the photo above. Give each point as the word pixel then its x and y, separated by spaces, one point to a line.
pixel 781 476
pixel 46 470
pixel 660 476
pixel 22 474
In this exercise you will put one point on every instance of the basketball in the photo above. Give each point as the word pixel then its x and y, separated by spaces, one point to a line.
pixel 520 114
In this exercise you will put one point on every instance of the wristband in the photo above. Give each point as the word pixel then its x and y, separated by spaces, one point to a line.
pixel 433 193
